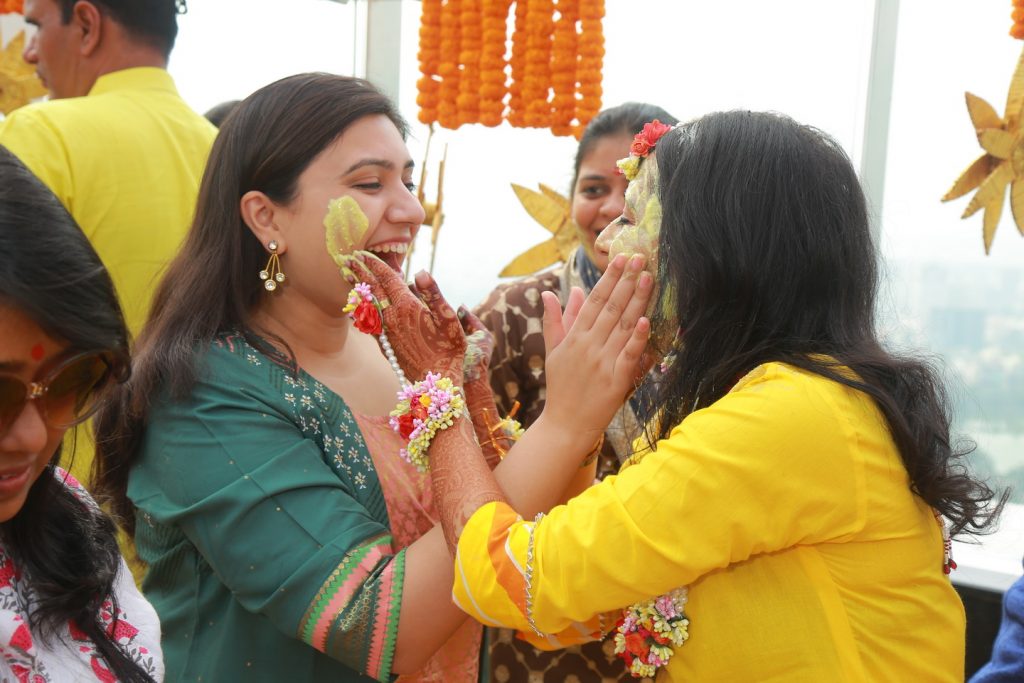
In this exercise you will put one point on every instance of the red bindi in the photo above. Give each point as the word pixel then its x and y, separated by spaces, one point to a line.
pixel 38 352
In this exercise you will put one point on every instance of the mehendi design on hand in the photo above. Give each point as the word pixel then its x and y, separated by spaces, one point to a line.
pixel 459 488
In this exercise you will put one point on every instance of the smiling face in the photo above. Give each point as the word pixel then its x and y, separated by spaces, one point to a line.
pixel 359 191
pixel 598 196
pixel 27 446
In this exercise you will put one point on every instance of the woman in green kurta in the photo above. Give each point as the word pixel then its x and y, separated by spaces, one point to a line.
pixel 250 454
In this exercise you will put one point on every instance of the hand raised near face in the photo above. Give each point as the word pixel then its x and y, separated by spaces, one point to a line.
pixel 594 349
pixel 422 328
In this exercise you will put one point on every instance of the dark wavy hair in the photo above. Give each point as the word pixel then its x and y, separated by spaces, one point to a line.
pixel 152 22
pixel 211 287
pixel 623 119
pixel 52 275
pixel 766 255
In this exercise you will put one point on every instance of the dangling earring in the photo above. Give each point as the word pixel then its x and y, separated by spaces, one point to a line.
pixel 272 274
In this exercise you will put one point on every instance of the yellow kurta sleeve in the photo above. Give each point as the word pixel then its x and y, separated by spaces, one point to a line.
pixel 32 137
pixel 771 465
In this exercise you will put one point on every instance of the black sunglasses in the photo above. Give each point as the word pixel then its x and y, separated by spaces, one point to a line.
pixel 66 390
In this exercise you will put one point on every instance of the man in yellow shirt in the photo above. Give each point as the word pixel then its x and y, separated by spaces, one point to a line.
pixel 116 143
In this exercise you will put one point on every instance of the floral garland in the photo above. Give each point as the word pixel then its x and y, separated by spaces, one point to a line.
pixel 448 69
pixel 467 104
pixel 516 110
pixel 648 632
pixel 12 6
pixel 429 85
pixel 555 66
pixel 643 143
pixel 563 68
pixel 492 61
pixel 588 71
pixel 1017 30
pixel 424 409
pixel 539 23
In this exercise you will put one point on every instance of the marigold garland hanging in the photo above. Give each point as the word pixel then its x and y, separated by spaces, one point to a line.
pixel 1017 30
pixel 470 50
pixel 564 58
pixel 429 83
pixel 517 64
pixel 539 27
pixel 588 71
pixel 449 67
pixel 555 63
pixel 12 6
pixel 492 62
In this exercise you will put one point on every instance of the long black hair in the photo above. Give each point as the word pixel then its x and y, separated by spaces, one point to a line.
pixel 211 287
pixel 766 254
pixel 52 275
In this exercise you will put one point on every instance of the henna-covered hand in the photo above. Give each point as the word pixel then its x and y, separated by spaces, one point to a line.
pixel 422 328
pixel 460 487
pixel 479 396
pixel 479 347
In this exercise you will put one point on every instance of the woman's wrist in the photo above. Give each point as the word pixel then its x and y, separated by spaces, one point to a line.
pixel 564 440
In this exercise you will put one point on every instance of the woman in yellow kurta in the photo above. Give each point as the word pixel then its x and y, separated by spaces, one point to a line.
pixel 799 471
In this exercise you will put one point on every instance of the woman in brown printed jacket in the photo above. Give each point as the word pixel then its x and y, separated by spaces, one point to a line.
pixel 513 313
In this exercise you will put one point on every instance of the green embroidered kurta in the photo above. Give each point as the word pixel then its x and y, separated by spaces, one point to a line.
pixel 265 530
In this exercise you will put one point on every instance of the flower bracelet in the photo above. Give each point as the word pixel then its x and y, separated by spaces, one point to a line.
pixel 424 408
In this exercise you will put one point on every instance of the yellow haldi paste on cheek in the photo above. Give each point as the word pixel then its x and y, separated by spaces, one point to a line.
pixel 346 226
pixel 642 236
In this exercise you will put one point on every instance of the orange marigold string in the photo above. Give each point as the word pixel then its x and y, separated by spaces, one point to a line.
pixel 1017 30
pixel 493 61
pixel 536 86
pixel 516 103
pixel 429 83
pixel 563 68
pixel 591 60
pixel 555 64
pixel 447 112
pixel 467 104
pixel 12 7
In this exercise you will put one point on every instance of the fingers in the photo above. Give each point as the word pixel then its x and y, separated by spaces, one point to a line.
pixel 628 362
pixel 572 307
pixel 635 307
pixel 431 295
pixel 601 292
pixel 614 307
pixel 553 328
pixel 387 283
pixel 470 323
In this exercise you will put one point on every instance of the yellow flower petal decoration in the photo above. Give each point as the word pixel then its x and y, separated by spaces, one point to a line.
pixel 18 82
pixel 554 212
pixel 1002 164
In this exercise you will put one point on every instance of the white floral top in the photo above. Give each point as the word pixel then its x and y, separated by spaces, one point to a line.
pixel 70 655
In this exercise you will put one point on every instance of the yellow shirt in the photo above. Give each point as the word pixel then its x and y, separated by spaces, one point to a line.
pixel 787 511
pixel 126 161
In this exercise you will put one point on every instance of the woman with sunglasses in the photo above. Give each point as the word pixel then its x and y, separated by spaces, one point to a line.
pixel 69 610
